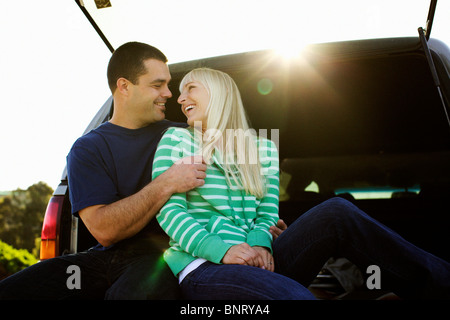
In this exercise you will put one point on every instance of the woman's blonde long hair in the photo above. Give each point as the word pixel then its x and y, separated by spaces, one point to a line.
pixel 228 131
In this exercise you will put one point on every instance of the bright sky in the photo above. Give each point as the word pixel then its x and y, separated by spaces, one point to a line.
pixel 53 81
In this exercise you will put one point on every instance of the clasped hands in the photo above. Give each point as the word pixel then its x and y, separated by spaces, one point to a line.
pixel 255 256
pixel 250 256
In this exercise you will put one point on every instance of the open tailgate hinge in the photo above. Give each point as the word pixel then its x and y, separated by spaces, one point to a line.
pixel 424 36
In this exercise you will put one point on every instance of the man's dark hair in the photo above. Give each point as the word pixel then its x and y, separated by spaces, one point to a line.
pixel 127 61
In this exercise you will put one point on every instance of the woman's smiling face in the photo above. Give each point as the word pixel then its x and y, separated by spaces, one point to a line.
pixel 194 100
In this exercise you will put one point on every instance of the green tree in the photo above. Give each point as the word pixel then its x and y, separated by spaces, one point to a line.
pixel 9 214
pixel 21 215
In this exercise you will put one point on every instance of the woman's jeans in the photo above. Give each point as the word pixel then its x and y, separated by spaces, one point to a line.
pixel 337 228
pixel 234 282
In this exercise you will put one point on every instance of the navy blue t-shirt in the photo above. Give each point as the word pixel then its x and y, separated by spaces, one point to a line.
pixel 111 162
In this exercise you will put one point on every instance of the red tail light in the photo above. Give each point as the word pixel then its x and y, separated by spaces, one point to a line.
pixel 50 228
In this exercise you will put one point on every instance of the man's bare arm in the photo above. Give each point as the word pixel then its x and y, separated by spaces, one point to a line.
pixel 123 219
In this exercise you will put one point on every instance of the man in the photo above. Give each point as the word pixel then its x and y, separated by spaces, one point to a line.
pixel 109 173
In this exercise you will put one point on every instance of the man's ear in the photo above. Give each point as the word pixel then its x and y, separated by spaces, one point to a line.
pixel 123 86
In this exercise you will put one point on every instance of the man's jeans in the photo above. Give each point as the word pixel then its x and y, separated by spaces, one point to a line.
pixel 337 228
pixel 130 270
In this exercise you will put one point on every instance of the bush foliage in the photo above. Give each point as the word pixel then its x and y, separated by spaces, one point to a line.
pixel 13 260
pixel 21 216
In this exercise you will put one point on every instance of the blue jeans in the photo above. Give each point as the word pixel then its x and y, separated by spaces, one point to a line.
pixel 238 282
pixel 134 269
pixel 337 228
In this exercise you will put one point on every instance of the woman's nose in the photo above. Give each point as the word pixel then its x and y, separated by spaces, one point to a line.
pixel 181 98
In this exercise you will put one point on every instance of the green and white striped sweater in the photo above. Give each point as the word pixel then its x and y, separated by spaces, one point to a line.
pixel 207 221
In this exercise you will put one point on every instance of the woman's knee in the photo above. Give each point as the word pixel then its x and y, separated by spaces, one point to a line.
pixel 337 207
pixel 338 202
pixel 323 218
pixel 298 292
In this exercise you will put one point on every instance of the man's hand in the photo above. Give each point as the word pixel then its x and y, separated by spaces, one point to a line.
pixel 278 229
pixel 186 174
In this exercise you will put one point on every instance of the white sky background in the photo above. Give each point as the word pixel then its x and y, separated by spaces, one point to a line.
pixel 53 81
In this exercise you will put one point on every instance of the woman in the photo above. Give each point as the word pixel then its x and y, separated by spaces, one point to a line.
pixel 220 244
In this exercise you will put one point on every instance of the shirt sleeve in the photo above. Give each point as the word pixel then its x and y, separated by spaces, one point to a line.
pixel 267 212
pixel 173 216
pixel 90 180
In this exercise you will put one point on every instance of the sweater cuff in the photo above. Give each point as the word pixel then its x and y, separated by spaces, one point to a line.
pixel 259 238
pixel 213 249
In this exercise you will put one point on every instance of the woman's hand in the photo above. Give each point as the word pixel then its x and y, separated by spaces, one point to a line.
pixel 267 258
pixel 244 254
